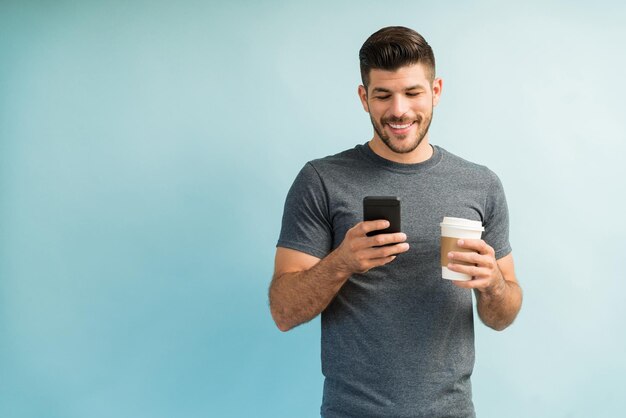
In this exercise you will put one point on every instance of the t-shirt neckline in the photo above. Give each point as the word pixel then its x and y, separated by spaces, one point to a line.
pixel 401 167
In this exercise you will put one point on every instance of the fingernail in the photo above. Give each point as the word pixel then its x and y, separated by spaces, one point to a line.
pixel 461 242
pixel 450 255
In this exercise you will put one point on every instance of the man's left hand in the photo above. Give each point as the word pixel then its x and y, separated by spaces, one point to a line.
pixel 486 275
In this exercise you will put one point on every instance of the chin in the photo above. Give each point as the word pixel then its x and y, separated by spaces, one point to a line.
pixel 402 146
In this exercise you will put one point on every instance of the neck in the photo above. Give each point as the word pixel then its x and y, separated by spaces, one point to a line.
pixel 420 154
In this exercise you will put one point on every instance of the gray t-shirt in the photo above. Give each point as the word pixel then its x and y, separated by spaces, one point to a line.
pixel 397 341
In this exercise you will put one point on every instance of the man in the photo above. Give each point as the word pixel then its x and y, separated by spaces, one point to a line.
pixel 397 339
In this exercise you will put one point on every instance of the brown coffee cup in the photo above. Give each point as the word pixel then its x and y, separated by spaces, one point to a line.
pixel 452 230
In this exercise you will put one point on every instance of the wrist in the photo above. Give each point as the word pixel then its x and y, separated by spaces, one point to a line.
pixel 339 270
pixel 498 289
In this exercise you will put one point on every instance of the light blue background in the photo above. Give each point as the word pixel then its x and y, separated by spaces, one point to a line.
pixel 146 149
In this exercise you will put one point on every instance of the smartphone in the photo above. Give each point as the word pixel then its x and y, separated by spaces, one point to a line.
pixel 382 207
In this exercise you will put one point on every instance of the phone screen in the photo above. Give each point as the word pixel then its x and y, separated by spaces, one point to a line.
pixel 382 207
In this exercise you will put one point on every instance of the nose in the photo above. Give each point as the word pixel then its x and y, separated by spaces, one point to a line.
pixel 399 106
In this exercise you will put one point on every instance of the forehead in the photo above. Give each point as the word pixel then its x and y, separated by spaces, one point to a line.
pixel 403 77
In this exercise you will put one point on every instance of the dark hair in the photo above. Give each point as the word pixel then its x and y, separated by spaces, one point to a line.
pixel 393 47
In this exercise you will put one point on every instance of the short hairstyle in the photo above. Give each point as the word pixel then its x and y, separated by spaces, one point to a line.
pixel 394 47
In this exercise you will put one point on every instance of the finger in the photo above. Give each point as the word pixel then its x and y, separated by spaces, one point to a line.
pixel 369 226
pixel 477 245
pixel 472 284
pixel 467 257
pixel 381 252
pixel 383 260
pixel 365 242
pixel 376 262
pixel 360 243
pixel 479 272
pixel 384 239
pixel 472 258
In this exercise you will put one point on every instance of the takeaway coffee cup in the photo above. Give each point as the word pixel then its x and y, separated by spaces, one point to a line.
pixel 453 229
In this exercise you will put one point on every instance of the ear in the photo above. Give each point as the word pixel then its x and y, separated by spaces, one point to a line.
pixel 363 96
pixel 437 86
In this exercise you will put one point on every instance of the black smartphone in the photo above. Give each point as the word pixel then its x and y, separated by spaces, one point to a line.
pixel 382 207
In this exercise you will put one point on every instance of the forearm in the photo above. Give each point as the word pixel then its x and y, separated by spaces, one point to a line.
pixel 298 297
pixel 498 308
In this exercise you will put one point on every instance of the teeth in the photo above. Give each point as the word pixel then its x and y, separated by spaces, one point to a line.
pixel 400 126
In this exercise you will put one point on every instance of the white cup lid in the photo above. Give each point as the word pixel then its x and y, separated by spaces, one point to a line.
pixel 462 223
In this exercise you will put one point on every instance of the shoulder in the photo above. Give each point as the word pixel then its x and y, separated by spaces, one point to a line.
pixel 319 172
pixel 343 159
pixel 467 168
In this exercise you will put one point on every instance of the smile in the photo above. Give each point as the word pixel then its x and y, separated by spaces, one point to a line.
pixel 398 129
pixel 400 126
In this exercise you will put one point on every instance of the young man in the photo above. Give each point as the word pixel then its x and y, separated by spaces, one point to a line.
pixel 397 339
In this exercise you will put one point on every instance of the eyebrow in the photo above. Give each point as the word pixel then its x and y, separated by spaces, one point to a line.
pixel 384 90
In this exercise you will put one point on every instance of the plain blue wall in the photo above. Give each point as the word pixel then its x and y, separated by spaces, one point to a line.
pixel 146 149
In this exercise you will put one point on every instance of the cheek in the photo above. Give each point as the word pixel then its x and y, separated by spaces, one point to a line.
pixel 376 112
pixel 425 105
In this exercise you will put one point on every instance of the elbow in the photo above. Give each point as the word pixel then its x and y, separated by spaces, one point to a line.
pixel 278 314
pixel 499 327
pixel 281 324
pixel 283 327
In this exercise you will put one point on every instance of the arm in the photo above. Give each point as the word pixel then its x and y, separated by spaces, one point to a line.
pixel 499 308
pixel 498 293
pixel 303 285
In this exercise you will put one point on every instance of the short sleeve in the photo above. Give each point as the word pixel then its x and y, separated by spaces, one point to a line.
pixel 497 218
pixel 306 223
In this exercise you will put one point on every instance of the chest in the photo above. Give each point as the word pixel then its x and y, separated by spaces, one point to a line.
pixel 424 203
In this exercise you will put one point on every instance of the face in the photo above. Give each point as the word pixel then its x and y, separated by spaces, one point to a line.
pixel 400 104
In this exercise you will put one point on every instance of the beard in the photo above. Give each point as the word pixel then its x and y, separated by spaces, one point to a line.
pixel 423 123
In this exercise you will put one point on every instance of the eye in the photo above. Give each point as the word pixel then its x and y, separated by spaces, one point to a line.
pixel 383 97
pixel 413 94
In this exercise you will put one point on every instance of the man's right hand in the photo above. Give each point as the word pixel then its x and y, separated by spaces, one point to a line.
pixel 304 285
pixel 359 253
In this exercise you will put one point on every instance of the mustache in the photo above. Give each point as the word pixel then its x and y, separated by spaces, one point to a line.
pixel 401 121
